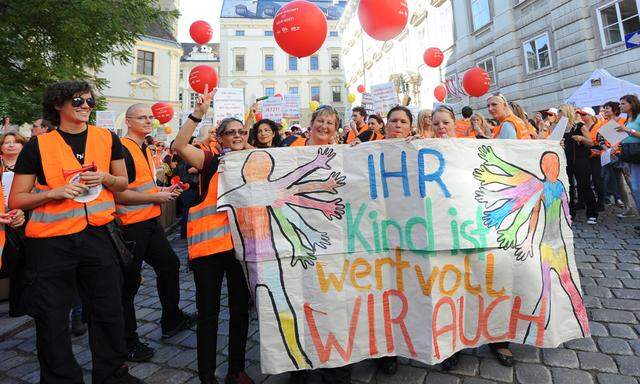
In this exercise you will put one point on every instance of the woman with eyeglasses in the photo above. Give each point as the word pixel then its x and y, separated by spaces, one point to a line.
pixel 264 134
pixel 511 126
pixel 425 130
pixel 76 169
pixel 211 251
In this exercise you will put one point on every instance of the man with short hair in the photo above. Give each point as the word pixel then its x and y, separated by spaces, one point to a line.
pixel 38 128
pixel 358 124
pixel 463 126
pixel 138 209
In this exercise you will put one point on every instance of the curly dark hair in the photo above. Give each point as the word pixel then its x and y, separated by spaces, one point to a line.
pixel 253 134
pixel 58 93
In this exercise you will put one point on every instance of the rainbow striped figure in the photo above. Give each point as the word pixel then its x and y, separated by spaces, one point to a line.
pixel 275 207
pixel 525 194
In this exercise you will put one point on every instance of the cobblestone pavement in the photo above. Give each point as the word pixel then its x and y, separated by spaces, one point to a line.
pixel 607 257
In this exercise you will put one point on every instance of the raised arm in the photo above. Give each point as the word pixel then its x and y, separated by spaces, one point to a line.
pixel 490 158
pixel 508 237
pixel 189 153
pixel 321 161
pixel 524 250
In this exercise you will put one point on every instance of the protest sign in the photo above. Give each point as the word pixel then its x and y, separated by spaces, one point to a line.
pixel 228 102
pixel 416 249
pixel 272 109
pixel 610 133
pixel 367 103
pixel 384 97
pixel 106 119
pixel 291 107
pixel 559 130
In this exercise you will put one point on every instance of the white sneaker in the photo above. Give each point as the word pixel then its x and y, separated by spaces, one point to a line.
pixel 626 213
pixel 619 203
pixel 592 221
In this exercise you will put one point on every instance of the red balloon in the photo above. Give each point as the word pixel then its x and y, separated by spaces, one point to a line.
pixel 203 75
pixel 383 19
pixel 300 28
pixel 201 32
pixel 440 92
pixel 361 88
pixel 476 82
pixel 278 95
pixel 163 112
pixel 433 57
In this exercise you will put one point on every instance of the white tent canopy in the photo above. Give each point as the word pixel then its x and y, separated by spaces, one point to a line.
pixel 601 87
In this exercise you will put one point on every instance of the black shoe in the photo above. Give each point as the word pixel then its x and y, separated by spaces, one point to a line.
pixel 388 365
pixel 122 376
pixel 188 319
pixel 503 359
pixel 238 378
pixel 298 377
pixel 78 328
pixel 450 362
pixel 140 352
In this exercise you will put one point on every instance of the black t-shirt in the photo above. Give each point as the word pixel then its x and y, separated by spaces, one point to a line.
pixel 30 162
pixel 131 164
pixel 575 151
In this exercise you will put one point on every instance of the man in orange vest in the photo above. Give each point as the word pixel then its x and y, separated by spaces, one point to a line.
pixel 463 126
pixel 138 209
pixel 75 169
pixel 358 124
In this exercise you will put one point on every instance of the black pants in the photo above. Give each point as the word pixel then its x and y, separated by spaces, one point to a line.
pixel 208 273
pixel 580 169
pixel 153 248
pixel 596 178
pixel 187 198
pixel 56 266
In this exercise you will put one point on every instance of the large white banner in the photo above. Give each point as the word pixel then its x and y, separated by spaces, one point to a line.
pixel 413 249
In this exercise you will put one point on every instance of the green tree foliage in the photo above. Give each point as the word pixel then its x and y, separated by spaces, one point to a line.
pixel 43 41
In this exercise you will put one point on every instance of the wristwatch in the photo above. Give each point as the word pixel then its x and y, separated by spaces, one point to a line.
pixel 194 119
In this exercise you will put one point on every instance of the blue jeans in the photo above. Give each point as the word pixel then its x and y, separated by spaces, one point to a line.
pixel 76 306
pixel 634 172
pixel 610 184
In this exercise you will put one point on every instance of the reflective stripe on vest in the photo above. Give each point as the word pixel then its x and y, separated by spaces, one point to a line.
pixel 144 183
pixel 208 230
pixel 65 217
pixel 3 235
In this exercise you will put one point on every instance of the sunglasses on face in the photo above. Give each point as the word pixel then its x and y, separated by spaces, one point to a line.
pixel 235 133
pixel 79 101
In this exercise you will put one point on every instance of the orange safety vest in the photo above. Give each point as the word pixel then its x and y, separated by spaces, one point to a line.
pixel 593 134
pixel 522 131
pixel 206 147
pixel 3 236
pixel 352 133
pixel 67 216
pixel 208 230
pixel 144 183
pixel 462 128
pixel 299 142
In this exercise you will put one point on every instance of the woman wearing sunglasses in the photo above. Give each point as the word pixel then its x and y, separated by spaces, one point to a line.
pixel 75 169
pixel 211 252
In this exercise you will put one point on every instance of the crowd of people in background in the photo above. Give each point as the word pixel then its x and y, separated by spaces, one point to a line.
pixel 71 246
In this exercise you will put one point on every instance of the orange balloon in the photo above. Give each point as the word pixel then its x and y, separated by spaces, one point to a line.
pixel 167 130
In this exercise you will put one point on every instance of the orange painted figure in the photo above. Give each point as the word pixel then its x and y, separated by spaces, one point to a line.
pixel 525 194
pixel 275 206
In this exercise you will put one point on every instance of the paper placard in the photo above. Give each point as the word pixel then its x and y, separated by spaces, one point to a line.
pixel 272 109
pixel 106 119
pixel 228 102
pixel 559 130
pixel 7 181
pixel 367 103
pixel 384 97
pixel 291 107
pixel 609 132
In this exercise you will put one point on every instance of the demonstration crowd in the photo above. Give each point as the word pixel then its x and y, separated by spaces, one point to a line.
pixel 73 179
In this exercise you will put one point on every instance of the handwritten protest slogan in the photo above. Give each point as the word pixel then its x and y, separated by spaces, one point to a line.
pixel 415 249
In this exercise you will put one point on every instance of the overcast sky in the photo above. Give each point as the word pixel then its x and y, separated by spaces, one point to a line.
pixel 192 10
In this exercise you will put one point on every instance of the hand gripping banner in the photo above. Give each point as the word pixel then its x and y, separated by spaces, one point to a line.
pixel 416 249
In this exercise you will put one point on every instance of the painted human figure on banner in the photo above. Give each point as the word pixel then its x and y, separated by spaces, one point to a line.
pixel 524 195
pixel 277 208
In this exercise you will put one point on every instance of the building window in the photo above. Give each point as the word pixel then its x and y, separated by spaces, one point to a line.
pixel 268 33
pixel 293 90
pixel 537 53
pixel 192 100
pixel 269 91
pixel 240 63
pixel 145 63
pixel 239 32
pixel 181 74
pixel 480 13
pixel 618 19
pixel 336 94
pixel 315 93
pixel 314 64
pixel 268 62
pixel 180 98
pixel 335 61
pixel 333 34
pixel 293 63
pixel 488 66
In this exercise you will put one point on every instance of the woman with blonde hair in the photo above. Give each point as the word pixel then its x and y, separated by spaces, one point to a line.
pixel 480 126
pixel 425 129
pixel 577 147
pixel 444 123
pixel 522 115
pixel 511 126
